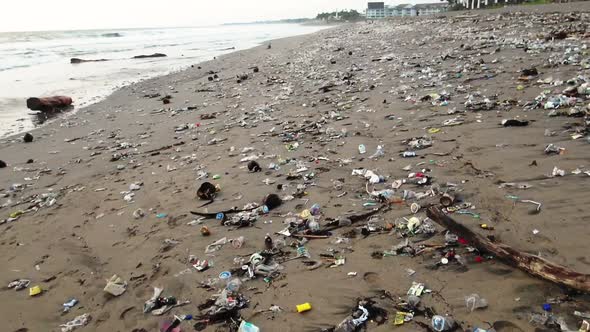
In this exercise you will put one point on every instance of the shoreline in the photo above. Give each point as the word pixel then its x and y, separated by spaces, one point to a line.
pixel 302 115
pixel 102 92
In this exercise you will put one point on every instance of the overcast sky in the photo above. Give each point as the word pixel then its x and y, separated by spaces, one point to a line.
pixel 27 15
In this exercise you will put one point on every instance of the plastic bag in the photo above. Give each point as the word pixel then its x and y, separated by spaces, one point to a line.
pixel 474 301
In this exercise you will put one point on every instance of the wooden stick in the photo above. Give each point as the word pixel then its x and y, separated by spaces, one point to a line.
pixel 532 264
pixel 357 217
pixel 310 236
pixel 165 147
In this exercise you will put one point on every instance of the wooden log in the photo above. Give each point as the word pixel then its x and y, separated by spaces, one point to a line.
pixel 308 236
pixel 155 55
pixel 48 103
pixel 78 60
pixel 532 264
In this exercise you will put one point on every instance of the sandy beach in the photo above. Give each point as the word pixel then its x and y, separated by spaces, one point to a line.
pixel 314 99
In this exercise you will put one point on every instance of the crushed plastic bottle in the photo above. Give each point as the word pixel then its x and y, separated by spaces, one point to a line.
pixel 409 154
pixel 234 285
pixel 440 323
pixel 378 153
pixel 362 149
pixel 313 225
pixel 248 327
pixel 315 209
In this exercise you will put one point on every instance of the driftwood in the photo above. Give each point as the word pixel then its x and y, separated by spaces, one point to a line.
pixel 78 60
pixel 155 55
pixel 532 264
pixel 226 212
pixel 353 218
pixel 142 56
pixel 48 103
pixel 164 148
pixel 308 236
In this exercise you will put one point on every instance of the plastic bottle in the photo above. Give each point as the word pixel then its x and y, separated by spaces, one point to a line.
pixel 302 252
pixel 378 153
pixel 268 241
pixel 440 323
pixel 313 225
pixel 234 285
pixel 315 209
pixel 248 327
pixel 409 154
pixel 362 149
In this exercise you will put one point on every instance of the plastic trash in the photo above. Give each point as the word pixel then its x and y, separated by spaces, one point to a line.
pixel 81 320
pixel 315 209
pixel 552 148
pixel 247 327
pixel 35 290
pixel 173 325
pixel 402 317
pixel 302 252
pixel 238 242
pixel 70 304
pixel 224 276
pixel 313 225
pixel 417 289
pixel 139 213
pixel 150 304
pixel 234 285
pixel 362 149
pixel 19 284
pixel 474 301
pixel 213 247
pixel 303 307
pixel 440 323
pixel 409 154
pixel 115 286
pixel 557 172
pixel 368 175
pixel 378 153
pixel 268 244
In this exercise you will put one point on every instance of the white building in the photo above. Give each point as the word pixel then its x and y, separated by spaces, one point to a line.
pixel 431 8
pixel 475 4
pixel 378 10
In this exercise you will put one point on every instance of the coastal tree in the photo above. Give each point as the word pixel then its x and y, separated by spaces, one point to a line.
pixel 343 15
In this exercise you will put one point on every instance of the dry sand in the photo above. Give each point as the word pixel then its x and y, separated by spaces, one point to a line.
pixel 89 234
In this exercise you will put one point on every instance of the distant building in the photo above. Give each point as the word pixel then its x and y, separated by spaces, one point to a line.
pixel 431 8
pixel 408 10
pixel 476 4
pixel 378 10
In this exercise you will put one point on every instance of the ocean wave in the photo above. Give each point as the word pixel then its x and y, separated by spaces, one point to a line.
pixel 167 45
pixel 13 67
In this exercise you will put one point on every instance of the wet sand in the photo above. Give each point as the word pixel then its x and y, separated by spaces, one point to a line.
pixel 90 233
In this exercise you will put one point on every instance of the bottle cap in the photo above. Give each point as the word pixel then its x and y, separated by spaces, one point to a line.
pixel 224 275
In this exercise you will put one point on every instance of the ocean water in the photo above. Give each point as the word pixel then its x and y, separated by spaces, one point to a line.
pixel 36 64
